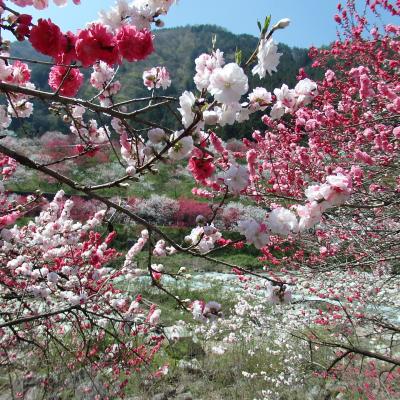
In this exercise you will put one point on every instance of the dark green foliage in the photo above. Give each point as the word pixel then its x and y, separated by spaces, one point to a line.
pixel 185 348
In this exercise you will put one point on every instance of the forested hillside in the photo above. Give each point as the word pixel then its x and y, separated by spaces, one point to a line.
pixel 176 49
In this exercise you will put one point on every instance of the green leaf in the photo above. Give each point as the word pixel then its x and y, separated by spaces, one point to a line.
pixel 214 41
pixel 238 56
pixel 266 24
pixel 259 25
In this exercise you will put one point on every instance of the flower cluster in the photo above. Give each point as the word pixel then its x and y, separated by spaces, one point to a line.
pixel 289 100
pixel 129 262
pixel 139 13
pixel 203 238
pixel 42 4
pixel 89 132
pixel 123 34
pixel 65 81
pixel 19 74
pixel 95 43
pixel 282 221
pixel 227 83
pixel 102 79
pixel 59 268
pixel 326 142
pixel 53 234
pixel 156 77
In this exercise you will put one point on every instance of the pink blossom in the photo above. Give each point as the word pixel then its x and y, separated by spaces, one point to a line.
pixel 67 81
pixel 156 77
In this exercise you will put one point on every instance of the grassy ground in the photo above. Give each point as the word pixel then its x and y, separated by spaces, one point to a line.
pixel 273 373
pixel 169 181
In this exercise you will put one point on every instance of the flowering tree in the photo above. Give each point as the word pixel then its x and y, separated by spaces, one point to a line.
pixel 325 175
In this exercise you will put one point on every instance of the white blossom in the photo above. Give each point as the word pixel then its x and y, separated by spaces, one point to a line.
pixel 228 84
pixel 157 77
pixel 156 135
pixel 204 238
pixel 337 189
pixel 243 114
pixel 236 178
pixel 255 232
pixel 305 90
pixel 155 317
pixel 282 221
pixel 268 58
pixel 227 113
pixel 205 65
pixel 285 97
pixel 5 119
pixel 310 214
pixel 182 148
pixel 20 108
pixel 5 70
pixel 186 102
pixel 210 117
pixel 116 16
pixel 260 99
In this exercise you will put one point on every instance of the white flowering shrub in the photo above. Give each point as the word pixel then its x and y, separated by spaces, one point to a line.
pixel 157 209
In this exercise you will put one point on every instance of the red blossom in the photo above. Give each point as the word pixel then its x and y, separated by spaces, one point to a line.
pixel 68 81
pixel 23 26
pixel 201 168
pixel 67 53
pixel 47 38
pixel 134 44
pixel 96 43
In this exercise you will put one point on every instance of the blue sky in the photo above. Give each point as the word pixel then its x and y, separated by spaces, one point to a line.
pixel 312 20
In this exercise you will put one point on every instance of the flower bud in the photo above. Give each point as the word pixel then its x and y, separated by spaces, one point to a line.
pixel 131 171
pixel 148 151
pixel 201 220
pixel 188 240
pixel 281 24
pixel 210 230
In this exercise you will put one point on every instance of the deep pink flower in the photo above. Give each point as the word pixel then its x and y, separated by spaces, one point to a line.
pixel 134 44
pixel 67 53
pixel 72 82
pixel 47 38
pixel 23 26
pixel 9 219
pixel 201 168
pixel 96 43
